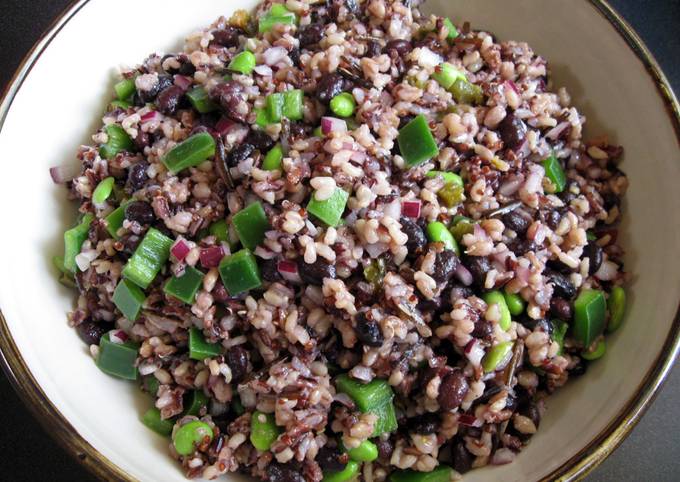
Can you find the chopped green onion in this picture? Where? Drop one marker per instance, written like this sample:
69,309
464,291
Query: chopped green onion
497,298
293,103
119,140
152,419
350,471
220,230
262,118
188,436
199,348
148,259
244,63
185,287
453,31
466,92
416,142
272,161
590,311
559,332
251,223
446,74
330,210
263,430
448,177
190,153
115,219
201,101
343,105
240,273
125,89
118,359
438,233
367,451
274,107
497,356
616,304
103,191
197,401
73,242
129,299
555,173
441,473
597,352
515,303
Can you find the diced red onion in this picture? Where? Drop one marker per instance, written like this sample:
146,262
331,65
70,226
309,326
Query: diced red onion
332,124
474,352
608,271
469,420
273,55
180,250
211,257
524,149
463,275
118,337
512,85
183,82
147,368
237,134
503,456
151,116
358,156
393,209
263,70
511,185
345,400
289,271
65,173
348,146
411,209
224,126
84,259
557,131
376,249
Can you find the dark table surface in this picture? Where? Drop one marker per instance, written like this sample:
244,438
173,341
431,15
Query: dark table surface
651,453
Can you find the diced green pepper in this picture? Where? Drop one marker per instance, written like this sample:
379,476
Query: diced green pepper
262,118
150,385
279,10
374,397
196,402
152,419
318,132
375,273
66,278
267,22
239,272
272,161
125,89
263,430
129,299
120,104
343,105
497,356
220,230
148,259
188,436
451,195
387,419
351,470
555,173
330,210
446,74
275,107
597,352
497,298
461,227
103,191
244,63
515,303
559,332
590,236
199,348
453,31
190,153
466,92
251,223
115,219
448,177
367,451
416,142
73,242
441,473
118,359
201,101
293,102
438,233
590,312
185,287
616,304
119,140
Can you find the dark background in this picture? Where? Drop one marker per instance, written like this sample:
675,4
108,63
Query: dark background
651,453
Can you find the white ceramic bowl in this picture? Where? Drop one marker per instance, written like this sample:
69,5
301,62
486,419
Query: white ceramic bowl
55,102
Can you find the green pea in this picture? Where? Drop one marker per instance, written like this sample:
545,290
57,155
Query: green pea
598,352
498,355
243,62
617,308
496,297
188,436
515,303
263,430
367,451
350,470
438,233
343,105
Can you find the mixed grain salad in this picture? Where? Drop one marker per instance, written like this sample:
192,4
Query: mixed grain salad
344,240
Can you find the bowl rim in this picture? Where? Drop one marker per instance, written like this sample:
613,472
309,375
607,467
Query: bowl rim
575,468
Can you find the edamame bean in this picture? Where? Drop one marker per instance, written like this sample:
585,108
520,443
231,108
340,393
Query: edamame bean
617,308
263,430
497,356
598,352
188,436
343,105
367,451
438,233
496,297
515,303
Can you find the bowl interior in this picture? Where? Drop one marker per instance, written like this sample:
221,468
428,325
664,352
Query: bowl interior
59,105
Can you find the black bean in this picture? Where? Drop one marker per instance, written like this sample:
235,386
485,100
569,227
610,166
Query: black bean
330,459
91,332
491,388
515,221
187,68
452,390
462,459
147,96
560,308
316,272
566,195
283,473
478,267
398,48
294,55
483,329
329,86
352,6
269,270
580,369
445,265
140,211
416,236
511,402
541,325
458,292
521,246
226,37
239,153
169,99
533,413
137,176
513,131
142,140
237,359
260,140
552,218
373,49
310,35
610,200
385,448
229,95
368,332
561,285
593,252
425,424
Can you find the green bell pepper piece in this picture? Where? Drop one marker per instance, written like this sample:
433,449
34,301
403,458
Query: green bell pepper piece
129,299
152,419
330,210
251,223
293,103
244,63
125,89
118,359
190,153
103,190
197,400
275,107
453,31
115,219
273,159
416,142
590,313
616,304
186,286
73,242
446,74
239,272
351,470
555,173
199,348
148,259
201,101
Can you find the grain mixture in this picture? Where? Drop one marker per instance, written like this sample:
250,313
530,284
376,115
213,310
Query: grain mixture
446,235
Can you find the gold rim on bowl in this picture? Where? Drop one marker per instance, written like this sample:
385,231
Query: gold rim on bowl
576,468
